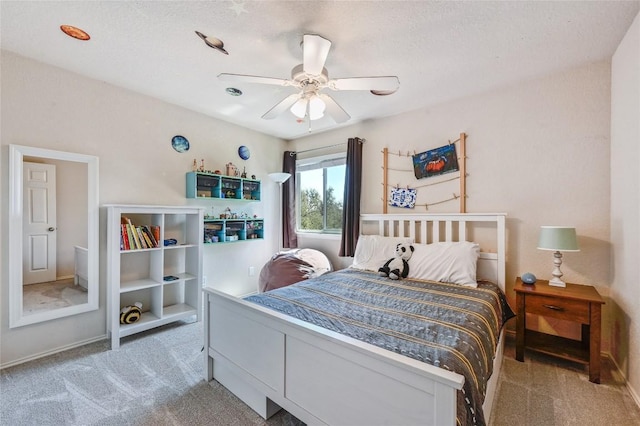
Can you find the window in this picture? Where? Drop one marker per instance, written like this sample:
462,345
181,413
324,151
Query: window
319,192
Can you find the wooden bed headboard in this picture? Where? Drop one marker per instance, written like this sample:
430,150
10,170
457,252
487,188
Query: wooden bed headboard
441,227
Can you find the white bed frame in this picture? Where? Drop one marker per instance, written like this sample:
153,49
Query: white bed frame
81,262
272,361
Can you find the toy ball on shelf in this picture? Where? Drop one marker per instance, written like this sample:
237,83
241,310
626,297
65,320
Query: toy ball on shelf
131,314
528,278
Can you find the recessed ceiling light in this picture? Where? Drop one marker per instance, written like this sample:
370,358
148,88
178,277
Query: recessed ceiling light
75,32
233,91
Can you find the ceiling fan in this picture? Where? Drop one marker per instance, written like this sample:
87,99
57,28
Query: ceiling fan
311,77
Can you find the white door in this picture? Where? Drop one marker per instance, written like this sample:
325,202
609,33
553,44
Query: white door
39,223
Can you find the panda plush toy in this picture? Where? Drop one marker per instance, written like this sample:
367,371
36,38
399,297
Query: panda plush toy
398,266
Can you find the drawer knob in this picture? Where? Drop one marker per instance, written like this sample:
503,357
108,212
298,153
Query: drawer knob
554,308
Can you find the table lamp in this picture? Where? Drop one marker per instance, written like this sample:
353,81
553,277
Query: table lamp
557,239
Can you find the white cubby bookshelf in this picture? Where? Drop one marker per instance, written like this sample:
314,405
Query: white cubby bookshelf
137,275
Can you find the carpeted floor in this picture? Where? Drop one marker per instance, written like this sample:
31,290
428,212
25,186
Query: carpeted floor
545,390
156,378
52,295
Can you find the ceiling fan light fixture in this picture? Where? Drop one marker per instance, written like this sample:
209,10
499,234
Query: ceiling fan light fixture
316,108
299,109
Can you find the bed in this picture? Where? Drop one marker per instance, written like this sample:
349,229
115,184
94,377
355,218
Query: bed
81,270
273,360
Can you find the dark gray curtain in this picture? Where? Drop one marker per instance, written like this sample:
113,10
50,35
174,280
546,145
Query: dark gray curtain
289,237
351,202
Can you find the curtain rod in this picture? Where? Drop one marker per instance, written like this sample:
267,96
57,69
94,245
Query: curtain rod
323,147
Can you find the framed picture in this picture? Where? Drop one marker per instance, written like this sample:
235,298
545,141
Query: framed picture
403,197
435,162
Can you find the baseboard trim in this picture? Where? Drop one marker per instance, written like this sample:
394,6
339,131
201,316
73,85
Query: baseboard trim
51,352
632,391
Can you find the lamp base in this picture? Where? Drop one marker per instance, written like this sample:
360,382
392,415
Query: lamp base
557,273
557,282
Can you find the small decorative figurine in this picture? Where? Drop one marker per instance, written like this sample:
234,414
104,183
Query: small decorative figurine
231,169
202,165
195,165
244,172
253,177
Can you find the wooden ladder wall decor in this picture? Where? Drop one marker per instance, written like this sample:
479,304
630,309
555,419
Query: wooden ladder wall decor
462,166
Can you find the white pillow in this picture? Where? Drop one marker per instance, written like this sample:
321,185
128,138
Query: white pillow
446,262
372,251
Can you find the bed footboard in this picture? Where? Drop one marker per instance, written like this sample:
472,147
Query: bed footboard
270,361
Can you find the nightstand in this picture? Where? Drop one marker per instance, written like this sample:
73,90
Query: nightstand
576,303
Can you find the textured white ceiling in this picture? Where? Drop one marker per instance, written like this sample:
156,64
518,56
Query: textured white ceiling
439,50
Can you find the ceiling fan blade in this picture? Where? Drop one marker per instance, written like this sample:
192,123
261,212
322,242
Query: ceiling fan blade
254,79
333,109
315,51
281,107
390,83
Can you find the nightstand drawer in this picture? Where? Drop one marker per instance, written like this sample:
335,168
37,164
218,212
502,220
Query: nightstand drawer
566,309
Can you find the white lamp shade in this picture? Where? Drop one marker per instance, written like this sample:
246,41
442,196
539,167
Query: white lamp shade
279,177
316,108
315,104
558,238
299,109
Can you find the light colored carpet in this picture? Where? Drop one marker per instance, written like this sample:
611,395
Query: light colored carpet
157,378
545,390
52,295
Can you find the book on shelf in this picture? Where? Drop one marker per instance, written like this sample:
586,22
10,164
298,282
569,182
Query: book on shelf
134,237
155,230
145,238
151,239
124,235
132,242
143,243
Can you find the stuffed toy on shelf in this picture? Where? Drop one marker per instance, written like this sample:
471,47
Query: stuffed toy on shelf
130,314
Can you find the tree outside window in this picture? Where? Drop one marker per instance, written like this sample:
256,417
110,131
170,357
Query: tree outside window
320,194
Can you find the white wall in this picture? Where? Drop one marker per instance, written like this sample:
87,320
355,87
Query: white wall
538,151
47,107
625,206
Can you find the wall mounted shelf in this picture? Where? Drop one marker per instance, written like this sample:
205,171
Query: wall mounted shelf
211,186
231,230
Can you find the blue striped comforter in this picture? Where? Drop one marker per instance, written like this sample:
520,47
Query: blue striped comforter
446,325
